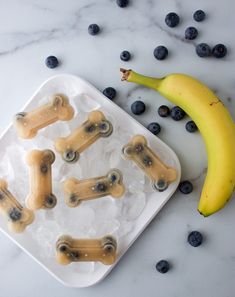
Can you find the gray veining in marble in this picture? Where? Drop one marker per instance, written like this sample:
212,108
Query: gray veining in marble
30,31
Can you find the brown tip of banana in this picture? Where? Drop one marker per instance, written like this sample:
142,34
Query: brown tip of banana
204,215
125,73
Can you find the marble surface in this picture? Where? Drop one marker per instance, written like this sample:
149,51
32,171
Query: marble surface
30,31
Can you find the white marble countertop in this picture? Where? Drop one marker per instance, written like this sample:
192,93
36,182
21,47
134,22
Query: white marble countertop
31,30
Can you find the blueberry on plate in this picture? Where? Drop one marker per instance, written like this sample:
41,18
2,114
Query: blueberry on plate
191,33
138,107
219,50
162,266
154,127
163,111
191,127
185,187
160,52
195,238
177,113
203,50
122,3
51,62
125,56
93,29
199,15
172,19
110,92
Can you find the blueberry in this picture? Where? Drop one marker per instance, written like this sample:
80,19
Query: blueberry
162,266
93,29
172,19
110,93
100,187
147,160
154,127
52,62
15,214
219,51
203,50
125,56
186,187
195,238
177,113
191,127
138,107
160,52
199,15
122,3
163,111
191,33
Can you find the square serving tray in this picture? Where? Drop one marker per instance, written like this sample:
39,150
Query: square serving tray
84,97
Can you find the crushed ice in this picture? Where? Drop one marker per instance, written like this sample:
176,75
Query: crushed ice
94,218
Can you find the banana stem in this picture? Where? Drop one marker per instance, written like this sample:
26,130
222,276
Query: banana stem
131,76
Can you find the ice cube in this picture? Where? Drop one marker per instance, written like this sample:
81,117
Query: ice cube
133,206
85,103
83,267
104,227
6,170
58,129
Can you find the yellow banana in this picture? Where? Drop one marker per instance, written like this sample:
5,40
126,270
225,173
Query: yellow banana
215,124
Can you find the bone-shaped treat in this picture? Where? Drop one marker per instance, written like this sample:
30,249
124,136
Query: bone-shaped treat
92,129
18,217
28,123
40,179
77,191
70,250
139,152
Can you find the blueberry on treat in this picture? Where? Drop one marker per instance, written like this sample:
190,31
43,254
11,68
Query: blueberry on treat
15,214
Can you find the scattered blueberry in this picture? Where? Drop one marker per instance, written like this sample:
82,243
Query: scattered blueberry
51,62
122,3
138,107
110,92
195,238
162,266
203,50
199,15
93,29
186,187
172,19
219,51
191,127
154,127
125,56
164,111
177,113
160,52
191,33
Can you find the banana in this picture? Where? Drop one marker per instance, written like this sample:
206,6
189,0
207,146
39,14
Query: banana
215,124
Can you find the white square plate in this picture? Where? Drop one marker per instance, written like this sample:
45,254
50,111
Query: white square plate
124,217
